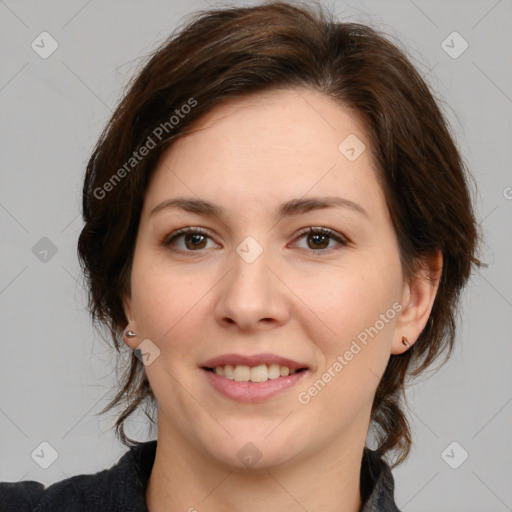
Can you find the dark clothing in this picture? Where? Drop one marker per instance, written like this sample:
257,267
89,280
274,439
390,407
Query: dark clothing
122,487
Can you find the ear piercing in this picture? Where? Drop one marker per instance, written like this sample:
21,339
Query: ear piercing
132,334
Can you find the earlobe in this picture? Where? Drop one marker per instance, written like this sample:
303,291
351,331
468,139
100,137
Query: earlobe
405,342
418,299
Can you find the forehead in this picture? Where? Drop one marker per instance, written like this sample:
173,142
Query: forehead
268,145
296,121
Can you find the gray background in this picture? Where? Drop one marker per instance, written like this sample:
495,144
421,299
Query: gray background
56,373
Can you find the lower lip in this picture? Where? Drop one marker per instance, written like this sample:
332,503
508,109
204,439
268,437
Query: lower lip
252,392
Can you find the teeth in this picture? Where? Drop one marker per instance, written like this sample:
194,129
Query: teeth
260,373
274,371
228,371
242,374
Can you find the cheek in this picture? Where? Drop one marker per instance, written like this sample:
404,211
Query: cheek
159,296
354,339
354,300
168,305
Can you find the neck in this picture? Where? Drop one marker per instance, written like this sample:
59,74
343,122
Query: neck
183,479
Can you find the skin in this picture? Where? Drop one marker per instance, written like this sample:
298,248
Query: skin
306,298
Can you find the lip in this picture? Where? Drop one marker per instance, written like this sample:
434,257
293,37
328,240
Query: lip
253,360
252,392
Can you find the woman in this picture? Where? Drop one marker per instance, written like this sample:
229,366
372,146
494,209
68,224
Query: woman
278,224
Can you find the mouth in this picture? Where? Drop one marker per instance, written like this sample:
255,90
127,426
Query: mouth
255,374
253,379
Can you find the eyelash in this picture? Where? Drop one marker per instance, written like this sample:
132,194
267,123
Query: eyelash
168,239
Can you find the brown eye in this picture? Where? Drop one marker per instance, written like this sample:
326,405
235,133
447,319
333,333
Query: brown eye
320,239
187,240
195,241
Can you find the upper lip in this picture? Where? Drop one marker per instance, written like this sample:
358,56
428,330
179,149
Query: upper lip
253,360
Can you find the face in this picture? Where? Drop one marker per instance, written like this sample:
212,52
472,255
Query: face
290,259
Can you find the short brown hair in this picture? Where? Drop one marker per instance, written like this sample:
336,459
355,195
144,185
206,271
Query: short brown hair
229,53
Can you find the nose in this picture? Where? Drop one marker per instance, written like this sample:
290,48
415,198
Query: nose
253,295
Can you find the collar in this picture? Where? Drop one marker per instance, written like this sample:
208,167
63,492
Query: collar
376,484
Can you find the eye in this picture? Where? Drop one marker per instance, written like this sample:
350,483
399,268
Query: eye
192,239
320,238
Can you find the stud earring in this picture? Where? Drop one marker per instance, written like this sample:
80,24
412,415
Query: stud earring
405,341
130,334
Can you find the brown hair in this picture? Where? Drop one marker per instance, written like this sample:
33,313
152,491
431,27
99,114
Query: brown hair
229,53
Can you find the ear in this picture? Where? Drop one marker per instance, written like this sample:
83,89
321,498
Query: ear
417,300
127,306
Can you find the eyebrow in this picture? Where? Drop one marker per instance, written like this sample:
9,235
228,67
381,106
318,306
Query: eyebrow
287,209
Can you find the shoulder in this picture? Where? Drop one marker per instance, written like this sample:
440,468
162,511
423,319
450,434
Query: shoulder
120,488
76,494
20,496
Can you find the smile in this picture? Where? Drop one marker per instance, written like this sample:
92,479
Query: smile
237,382
260,373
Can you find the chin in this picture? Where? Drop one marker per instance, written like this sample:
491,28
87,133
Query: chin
244,453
